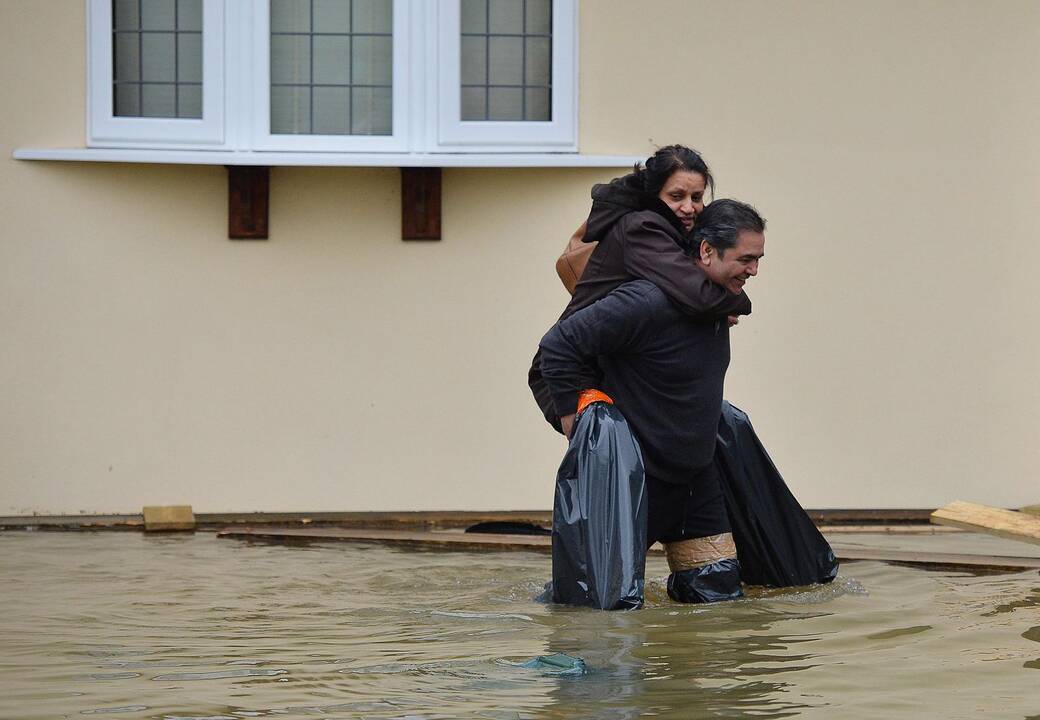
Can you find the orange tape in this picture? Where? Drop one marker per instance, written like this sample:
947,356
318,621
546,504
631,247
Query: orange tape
587,397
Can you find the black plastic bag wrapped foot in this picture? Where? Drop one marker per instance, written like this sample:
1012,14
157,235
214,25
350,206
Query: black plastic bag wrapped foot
777,542
709,583
599,514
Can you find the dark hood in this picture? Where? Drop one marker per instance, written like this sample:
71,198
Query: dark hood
611,201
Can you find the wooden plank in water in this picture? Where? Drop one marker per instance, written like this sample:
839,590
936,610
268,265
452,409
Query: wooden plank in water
543,543
453,540
952,561
168,517
995,521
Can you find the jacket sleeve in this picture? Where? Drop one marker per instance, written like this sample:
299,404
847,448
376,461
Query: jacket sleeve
652,254
615,323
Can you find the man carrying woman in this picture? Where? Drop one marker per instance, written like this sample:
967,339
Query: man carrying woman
657,342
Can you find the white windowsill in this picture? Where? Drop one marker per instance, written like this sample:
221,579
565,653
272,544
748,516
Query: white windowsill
318,159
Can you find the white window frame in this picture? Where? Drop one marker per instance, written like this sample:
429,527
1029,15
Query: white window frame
557,135
106,129
426,89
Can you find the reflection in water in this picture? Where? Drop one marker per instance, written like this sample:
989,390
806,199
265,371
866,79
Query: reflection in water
194,627
667,659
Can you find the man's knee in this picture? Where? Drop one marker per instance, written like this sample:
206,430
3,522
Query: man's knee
703,569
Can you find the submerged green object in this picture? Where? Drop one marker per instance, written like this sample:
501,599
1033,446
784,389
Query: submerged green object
557,664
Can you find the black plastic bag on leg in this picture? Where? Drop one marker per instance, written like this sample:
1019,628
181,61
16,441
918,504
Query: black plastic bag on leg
599,515
778,544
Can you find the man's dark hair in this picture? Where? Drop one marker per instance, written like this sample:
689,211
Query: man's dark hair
723,220
662,164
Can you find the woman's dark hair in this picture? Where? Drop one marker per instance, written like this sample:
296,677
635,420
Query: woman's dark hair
660,166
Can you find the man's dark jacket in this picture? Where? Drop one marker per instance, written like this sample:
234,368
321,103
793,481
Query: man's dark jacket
639,237
663,369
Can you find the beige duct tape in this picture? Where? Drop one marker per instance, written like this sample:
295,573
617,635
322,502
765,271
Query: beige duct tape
697,552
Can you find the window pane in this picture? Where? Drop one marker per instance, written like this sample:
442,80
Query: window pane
159,100
505,103
373,111
511,57
344,64
291,59
474,60
128,100
158,14
189,101
373,60
157,57
332,110
474,16
536,104
539,17
332,16
537,61
373,16
474,105
125,15
290,16
189,57
189,15
506,61
158,44
506,16
127,57
332,59
290,110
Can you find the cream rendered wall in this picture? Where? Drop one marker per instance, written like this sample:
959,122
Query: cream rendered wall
894,148
889,362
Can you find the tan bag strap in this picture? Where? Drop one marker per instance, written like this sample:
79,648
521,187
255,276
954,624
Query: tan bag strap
571,264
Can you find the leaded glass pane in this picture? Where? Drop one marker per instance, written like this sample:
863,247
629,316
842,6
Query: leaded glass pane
126,15
127,57
536,103
505,103
372,110
291,59
373,60
474,16
538,17
537,61
332,76
332,110
474,60
127,100
332,60
506,60
373,16
159,100
159,15
189,58
290,109
189,101
331,16
189,15
506,17
293,16
157,58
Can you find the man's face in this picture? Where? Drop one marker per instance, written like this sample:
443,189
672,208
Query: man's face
740,262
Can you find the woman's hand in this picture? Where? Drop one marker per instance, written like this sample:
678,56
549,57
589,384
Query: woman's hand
732,320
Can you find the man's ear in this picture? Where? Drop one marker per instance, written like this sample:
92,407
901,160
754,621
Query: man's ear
706,251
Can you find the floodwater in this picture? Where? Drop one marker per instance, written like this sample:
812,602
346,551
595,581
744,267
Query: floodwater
124,625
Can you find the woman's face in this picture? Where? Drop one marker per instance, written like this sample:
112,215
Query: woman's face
683,192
